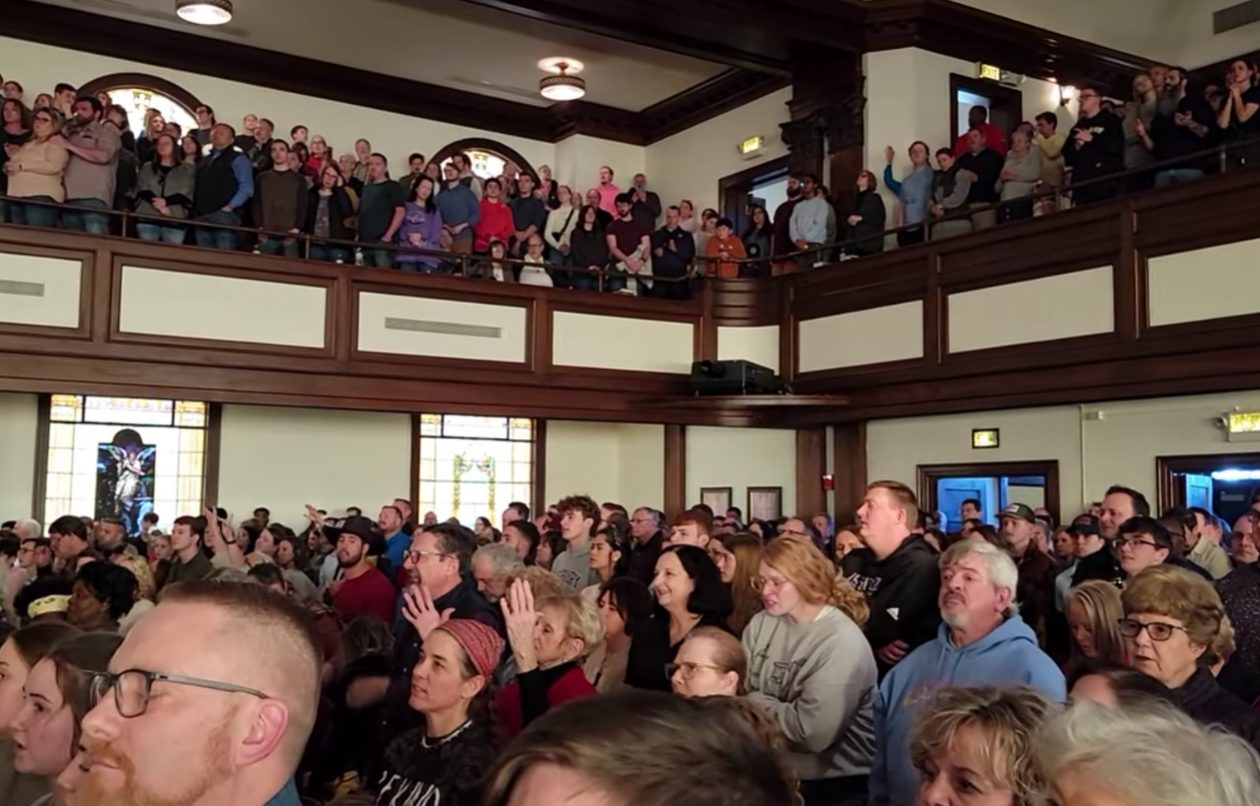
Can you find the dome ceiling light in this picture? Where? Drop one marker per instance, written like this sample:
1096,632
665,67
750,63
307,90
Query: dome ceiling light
204,12
563,83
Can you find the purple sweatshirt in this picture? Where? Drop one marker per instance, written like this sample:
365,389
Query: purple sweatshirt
428,226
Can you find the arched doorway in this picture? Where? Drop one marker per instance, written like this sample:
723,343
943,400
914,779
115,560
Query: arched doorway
489,157
140,92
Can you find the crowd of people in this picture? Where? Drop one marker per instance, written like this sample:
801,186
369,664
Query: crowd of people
595,654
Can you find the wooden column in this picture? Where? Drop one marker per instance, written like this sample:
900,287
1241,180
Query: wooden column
675,470
850,470
811,464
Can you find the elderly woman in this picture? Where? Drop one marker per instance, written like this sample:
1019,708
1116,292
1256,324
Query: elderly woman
710,663
974,745
1150,755
1019,177
1171,619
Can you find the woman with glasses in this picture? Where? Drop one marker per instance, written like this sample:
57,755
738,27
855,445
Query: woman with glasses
811,669
737,557
1171,618
610,557
689,594
1093,616
58,693
710,663
534,269
165,193
22,651
624,606
36,172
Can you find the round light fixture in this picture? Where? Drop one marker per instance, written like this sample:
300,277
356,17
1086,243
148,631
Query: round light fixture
204,12
563,84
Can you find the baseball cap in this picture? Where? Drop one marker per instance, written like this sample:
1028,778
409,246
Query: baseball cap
1084,525
1020,511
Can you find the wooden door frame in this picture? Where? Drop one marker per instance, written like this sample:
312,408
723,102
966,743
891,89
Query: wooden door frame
977,86
1167,468
733,187
929,474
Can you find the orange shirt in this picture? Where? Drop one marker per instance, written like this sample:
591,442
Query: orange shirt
725,250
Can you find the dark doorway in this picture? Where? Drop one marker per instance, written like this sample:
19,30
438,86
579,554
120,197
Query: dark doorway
764,184
1222,483
943,488
1005,105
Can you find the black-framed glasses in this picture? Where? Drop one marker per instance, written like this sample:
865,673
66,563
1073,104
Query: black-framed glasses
1134,542
132,687
1157,630
416,555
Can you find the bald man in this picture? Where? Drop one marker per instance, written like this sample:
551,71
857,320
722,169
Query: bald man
209,701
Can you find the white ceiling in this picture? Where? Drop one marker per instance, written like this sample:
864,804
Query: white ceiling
451,43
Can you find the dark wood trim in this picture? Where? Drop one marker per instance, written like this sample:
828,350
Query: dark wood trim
538,468
160,85
484,144
213,454
39,489
928,475
811,466
849,473
750,491
733,185
976,86
1169,493
675,492
413,465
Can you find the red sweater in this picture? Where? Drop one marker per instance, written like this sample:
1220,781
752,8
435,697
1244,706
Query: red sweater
534,693
495,223
368,595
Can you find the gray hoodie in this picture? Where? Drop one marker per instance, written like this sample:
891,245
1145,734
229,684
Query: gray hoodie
573,567
818,682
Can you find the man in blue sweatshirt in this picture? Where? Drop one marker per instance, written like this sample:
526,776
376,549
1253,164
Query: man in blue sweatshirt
982,642
460,210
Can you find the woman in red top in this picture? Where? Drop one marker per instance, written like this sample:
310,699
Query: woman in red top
320,155
548,643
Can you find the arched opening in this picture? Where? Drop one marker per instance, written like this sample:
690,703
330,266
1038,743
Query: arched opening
489,157
140,92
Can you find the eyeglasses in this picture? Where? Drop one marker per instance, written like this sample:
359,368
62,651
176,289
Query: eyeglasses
131,688
415,555
1157,630
689,669
761,583
1134,542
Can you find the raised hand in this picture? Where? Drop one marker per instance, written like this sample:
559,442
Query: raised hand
421,613
520,617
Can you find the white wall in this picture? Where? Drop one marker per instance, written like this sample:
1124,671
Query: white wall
622,462
1142,27
1096,445
19,420
285,458
1198,46
689,164
578,160
740,458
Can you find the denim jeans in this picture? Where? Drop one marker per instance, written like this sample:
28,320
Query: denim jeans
378,258
614,281
279,246
333,254
93,223
149,231
1173,176
36,215
215,238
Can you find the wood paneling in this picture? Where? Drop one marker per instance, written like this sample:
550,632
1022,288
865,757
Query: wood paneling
811,465
849,448
675,470
929,474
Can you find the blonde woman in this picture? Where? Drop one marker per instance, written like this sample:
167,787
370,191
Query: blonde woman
37,171
811,669
1093,616
975,745
737,558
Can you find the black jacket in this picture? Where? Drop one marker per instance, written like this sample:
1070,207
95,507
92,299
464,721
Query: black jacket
588,249
1100,156
340,211
1102,564
987,166
643,557
675,262
650,650
870,206
902,590
1172,141
1206,702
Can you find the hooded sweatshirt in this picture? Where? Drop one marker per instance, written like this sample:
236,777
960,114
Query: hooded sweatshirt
817,682
901,589
1007,656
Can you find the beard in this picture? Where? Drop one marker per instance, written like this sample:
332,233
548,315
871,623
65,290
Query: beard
957,619
349,561
218,769
792,193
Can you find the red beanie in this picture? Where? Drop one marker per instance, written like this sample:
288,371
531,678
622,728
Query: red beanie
480,643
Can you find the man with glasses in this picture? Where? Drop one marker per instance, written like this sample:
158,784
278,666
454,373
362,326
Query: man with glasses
647,529
219,714
359,589
1142,543
1095,148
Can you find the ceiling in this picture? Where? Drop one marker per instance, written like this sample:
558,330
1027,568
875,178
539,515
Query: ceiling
448,42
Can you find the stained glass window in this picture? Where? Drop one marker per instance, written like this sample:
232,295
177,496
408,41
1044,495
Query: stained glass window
485,164
137,101
472,466
122,457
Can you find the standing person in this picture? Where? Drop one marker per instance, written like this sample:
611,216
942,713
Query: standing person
15,130
224,185
1019,177
812,671
610,556
446,760
607,191
495,220
646,205
421,229
165,191
579,516
381,212
329,214
807,228
1095,149
1139,113
588,250
205,125
280,204
1050,142
723,249
1036,568
360,589
673,250
1093,616
35,170
897,570
534,265
866,222
1239,116
782,242
983,166
1240,596
982,642
529,214
1184,129
629,247
560,223
758,242
460,211
992,137
914,192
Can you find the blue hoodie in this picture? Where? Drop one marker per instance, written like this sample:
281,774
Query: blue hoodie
1008,656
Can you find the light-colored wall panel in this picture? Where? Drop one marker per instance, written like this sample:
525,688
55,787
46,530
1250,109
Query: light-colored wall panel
37,290
757,344
1079,303
1204,284
887,333
284,458
436,327
740,458
619,342
19,421
622,462
203,306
